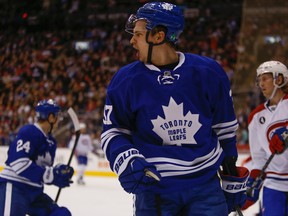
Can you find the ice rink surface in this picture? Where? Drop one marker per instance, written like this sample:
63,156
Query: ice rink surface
102,196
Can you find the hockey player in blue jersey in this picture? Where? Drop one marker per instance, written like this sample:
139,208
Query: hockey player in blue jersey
169,124
30,165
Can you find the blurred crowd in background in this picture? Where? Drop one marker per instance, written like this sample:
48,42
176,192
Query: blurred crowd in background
69,50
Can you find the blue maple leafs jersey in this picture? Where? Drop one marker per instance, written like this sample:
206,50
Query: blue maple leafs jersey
181,120
28,155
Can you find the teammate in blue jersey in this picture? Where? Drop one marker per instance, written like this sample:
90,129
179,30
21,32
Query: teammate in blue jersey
169,124
30,165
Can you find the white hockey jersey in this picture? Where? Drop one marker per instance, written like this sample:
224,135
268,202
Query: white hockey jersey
263,122
84,145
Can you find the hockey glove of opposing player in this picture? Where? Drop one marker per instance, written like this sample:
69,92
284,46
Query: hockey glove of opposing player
277,144
254,185
134,172
234,188
60,175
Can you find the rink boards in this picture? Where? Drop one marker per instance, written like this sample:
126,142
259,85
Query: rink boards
97,166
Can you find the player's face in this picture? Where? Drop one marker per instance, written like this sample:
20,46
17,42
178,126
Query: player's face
265,82
138,40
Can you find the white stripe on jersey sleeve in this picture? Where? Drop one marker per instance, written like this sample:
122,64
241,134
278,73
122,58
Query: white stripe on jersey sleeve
20,165
226,130
110,134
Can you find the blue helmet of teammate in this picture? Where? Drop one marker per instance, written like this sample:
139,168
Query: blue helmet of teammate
159,13
46,107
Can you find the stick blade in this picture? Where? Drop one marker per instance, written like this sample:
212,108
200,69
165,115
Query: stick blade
74,118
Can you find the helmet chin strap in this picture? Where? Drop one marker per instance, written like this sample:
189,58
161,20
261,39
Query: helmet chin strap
150,47
276,86
51,126
149,56
273,93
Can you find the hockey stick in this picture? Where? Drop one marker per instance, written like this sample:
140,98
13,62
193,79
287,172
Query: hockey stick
262,171
75,121
238,210
151,174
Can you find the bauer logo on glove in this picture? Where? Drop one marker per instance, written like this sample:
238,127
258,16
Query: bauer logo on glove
123,159
233,187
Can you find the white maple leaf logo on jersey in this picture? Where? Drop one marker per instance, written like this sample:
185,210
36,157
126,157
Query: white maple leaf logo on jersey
44,160
176,128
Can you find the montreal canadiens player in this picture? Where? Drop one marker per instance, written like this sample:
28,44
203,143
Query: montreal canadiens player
30,165
169,124
83,148
267,133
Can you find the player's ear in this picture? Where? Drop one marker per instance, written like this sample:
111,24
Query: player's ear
159,36
52,118
280,80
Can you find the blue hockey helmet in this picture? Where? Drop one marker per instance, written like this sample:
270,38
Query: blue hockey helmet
159,13
46,107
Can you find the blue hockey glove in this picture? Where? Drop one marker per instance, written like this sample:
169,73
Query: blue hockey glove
254,185
60,175
277,144
133,171
138,175
234,188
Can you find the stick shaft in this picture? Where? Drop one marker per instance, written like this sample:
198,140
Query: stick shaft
76,124
285,137
249,191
